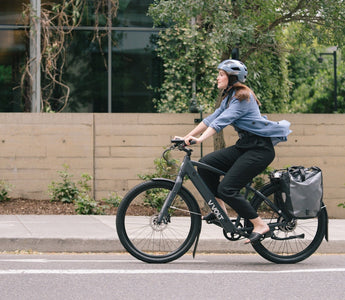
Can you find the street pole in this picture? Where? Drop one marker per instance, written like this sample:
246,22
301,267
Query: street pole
335,80
35,56
109,59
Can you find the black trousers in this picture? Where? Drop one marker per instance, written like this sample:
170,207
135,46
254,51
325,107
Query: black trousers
242,162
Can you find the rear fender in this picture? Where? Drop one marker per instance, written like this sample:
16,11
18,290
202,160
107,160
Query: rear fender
324,211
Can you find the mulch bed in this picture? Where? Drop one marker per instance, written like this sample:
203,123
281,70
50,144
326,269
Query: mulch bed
41,207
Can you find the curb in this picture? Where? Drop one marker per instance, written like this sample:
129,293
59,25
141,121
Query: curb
81,245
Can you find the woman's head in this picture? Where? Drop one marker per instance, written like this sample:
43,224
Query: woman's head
232,74
233,68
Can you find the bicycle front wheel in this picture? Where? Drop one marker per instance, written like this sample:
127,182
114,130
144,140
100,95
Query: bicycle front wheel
141,234
294,240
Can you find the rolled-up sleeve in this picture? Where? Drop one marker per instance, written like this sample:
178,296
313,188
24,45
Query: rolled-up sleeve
225,116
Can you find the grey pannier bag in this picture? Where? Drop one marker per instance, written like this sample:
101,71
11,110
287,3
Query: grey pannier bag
302,191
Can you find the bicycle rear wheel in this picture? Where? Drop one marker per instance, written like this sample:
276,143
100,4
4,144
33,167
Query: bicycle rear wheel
294,240
143,237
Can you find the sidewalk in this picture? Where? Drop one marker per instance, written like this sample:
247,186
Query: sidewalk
66,233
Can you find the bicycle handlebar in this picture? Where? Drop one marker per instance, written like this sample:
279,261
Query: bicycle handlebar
180,145
179,142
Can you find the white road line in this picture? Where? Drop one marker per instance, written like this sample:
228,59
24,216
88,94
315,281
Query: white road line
24,260
158,271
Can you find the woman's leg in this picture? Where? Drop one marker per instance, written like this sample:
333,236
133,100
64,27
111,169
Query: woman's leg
222,159
246,167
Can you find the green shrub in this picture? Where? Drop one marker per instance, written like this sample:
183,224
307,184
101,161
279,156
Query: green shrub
68,191
5,188
113,199
86,205
163,169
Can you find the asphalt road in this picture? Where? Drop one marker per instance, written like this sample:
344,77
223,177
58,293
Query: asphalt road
119,276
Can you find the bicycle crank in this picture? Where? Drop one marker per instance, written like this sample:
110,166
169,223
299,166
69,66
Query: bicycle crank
233,236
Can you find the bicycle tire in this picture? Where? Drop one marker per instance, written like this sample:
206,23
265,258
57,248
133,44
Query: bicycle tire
289,251
151,242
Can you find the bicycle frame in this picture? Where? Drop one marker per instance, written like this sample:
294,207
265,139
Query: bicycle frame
188,168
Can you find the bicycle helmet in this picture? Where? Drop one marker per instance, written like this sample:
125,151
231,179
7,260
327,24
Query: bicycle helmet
234,67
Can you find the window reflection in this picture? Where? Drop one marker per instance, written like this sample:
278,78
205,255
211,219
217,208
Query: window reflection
12,52
132,13
11,11
135,67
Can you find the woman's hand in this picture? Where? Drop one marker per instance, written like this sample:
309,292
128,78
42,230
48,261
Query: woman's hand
188,139
178,138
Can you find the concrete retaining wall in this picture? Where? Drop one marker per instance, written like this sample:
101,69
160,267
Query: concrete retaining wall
115,148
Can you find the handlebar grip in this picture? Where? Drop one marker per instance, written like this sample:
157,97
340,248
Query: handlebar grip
178,141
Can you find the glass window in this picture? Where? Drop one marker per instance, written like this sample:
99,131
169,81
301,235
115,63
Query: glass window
89,18
12,52
136,70
130,13
85,73
133,13
11,11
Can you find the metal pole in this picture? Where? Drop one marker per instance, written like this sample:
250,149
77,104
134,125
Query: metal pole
335,80
109,58
35,56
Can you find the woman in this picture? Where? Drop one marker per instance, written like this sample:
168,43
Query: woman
251,154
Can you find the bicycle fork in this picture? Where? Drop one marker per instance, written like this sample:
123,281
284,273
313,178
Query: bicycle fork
171,196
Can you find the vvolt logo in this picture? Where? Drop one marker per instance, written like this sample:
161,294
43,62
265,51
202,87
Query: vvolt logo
215,210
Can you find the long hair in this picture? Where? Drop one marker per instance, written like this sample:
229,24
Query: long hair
242,92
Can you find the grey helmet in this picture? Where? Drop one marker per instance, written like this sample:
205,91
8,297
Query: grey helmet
234,67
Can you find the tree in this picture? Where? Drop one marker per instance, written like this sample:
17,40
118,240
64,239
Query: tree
312,81
201,33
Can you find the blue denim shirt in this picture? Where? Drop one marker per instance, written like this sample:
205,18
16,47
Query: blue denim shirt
245,115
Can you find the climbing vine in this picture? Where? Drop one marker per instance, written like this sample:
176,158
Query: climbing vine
57,22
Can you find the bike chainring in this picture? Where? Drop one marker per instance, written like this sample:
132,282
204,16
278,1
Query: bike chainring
232,236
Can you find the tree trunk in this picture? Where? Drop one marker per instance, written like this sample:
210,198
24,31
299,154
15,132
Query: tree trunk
218,138
218,141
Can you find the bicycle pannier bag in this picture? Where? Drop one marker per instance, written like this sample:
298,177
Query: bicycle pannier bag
302,191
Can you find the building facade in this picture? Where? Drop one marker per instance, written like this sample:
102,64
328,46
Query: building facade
120,80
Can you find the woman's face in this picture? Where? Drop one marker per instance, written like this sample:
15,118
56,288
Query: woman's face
222,80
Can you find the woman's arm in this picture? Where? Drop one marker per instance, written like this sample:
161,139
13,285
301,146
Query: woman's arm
197,130
207,133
